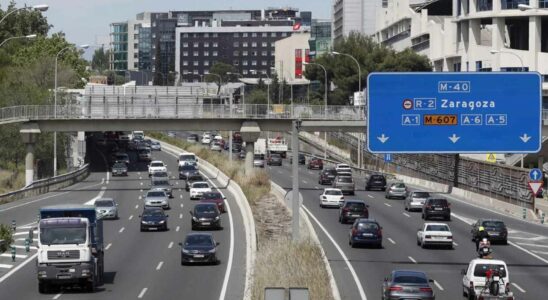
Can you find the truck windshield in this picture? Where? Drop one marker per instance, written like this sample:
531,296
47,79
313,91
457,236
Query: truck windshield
62,235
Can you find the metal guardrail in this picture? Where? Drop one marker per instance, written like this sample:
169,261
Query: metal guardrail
46,185
179,111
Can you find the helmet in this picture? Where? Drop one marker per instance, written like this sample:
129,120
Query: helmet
481,228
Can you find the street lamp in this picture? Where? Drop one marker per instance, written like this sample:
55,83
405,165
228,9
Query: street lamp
85,46
494,51
39,7
30,36
220,80
325,102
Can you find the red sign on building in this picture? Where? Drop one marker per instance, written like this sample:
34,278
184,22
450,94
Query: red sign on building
298,63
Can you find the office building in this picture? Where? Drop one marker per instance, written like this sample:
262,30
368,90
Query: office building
290,54
119,46
320,38
354,16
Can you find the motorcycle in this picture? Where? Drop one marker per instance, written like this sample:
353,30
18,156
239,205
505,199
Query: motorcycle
484,249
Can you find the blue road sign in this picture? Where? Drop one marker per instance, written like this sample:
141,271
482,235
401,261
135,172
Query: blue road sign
454,112
535,175
387,157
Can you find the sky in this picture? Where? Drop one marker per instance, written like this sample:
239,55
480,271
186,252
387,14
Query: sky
86,21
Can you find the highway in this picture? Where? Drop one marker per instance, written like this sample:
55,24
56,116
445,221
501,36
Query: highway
138,265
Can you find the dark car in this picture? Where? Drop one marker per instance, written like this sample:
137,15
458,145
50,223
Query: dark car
199,248
315,163
365,232
191,179
274,159
187,170
375,181
123,157
407,284
436,208
119,169
206,215
214,197
193,138
236,147
353,209
495,228
327,176
345,184
153,218
301,158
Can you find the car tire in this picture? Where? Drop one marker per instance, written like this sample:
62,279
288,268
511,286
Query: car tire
42,287
422,216
383,189
367,188
142,229
386,197
352,245
423,245
448,219
505,242
464,294
405,208
340,220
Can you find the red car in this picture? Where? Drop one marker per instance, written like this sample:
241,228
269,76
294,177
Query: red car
214,197
315,163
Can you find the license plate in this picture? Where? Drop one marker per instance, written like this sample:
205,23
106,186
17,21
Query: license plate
64,276
206,223
367,234
438,208
198,256
152,228
355,215
493,233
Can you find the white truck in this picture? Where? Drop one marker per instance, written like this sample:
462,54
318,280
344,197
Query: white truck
476,284
278,145
260,147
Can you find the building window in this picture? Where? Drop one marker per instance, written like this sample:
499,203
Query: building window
284,34
206,45
215,45
543,3
185,62
254,53
195,44
215,35
264,63
244,53
457,67
185,45
236,34
244,34
245,44
185,71
512,4
254,34
215,53
185,35
206,35
206,72
484,5
273,53
244,72
272,63
264,53
273,34
196,72
195,53
264,44
236,53
272,44
263,72
185,53
253,62
264,34
195,63
384,3
236,62
244,62
135,36
206,53
254,44
206,63
478,65
236,44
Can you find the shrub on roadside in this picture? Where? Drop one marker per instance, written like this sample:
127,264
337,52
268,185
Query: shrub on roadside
6,234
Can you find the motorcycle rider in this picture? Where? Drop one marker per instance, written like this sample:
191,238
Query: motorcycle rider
482,233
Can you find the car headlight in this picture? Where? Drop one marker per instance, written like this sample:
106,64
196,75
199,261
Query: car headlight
162,222
194,219
186,251
217,218
212,250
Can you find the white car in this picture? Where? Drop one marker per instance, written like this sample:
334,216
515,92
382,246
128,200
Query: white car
331,197
343,168
474,278
156,166
206,139
198,188
438,234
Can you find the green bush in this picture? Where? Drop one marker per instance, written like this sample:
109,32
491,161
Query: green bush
6,234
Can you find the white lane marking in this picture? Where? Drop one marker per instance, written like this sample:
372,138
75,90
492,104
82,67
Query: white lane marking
536,238
305,182
130,217
455,244
108,177
159,266
57,296
108,246
16,255
438,285
102,180
177,229
316,187
391,241
140,178
388,205
138,173
533,245
26,226
181,196
407,215
4,266
370,196
100,195
180,216
23,247
464,219
24,233
182,205
121,229
176,182
142,293
412,259
518,287
136,206
140,183
7,275
140,198
344,257
539,252
170,245
141,190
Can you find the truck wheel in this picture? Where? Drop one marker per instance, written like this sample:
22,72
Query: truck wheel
42,287
89,286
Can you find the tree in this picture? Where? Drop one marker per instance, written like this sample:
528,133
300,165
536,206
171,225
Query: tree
100,60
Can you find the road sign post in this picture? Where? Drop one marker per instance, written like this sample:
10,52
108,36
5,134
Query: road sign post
387,157
454,112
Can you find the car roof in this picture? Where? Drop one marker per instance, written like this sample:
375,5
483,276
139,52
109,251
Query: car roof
408,272
156,161
435,223
199,233
156,190
354,201
331,189
487,261
205,204
490,220
366,220
105,198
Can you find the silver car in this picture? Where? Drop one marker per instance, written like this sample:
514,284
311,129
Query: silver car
407,284
258,160
162,184
216,147
345,184
106,208
154,145
415,200
396,190
157,198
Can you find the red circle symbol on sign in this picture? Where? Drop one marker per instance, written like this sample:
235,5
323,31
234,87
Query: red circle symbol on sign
407,104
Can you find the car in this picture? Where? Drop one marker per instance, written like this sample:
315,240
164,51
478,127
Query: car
191,179
106,208
495,228
345,183
214,197
187,159
396,190
154,145
206,139
241,155
187,170
123,157
156,166
331,197
198,188
119,169
343,168
236,147
474,278
216,146
171,134
436,208
415,200
206,215
199,248
153,219
435,234
258,160
160,175
144,154
162,184
301,158
274,159
407,284
315,163
327,176
365,232
147,142
192,138
375,181
350,210
156,198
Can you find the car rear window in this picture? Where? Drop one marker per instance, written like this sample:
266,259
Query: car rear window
200,185
368,226
410,279
333,193
330,172
205,208
119,165
480,269
211,196
156,194
158,164
345,179
104,203
377,177
399,185
355,206
437,228
496,224
187,168
195,178
421,194
440,202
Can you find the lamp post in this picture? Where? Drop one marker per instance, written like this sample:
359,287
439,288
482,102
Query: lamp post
524,7
55,105
30,36
39,7
325,104
360,91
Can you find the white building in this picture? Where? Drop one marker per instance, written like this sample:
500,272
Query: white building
133,28
469,35
290,54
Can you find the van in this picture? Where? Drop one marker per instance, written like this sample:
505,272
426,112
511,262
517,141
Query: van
474,277
187,158
138,135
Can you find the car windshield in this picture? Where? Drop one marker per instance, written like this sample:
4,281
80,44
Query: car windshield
437,228
355,206
421,194
481,269
333,193
104,203
410,279
258,156
368,226
62,235
398,185
200,185
187,157
153,213
496,224
207,196
345,179
160,182
195,178
275,156
119,165
155,143
156,194
160,174
377,177
187,168
206,209
343,167
121,157
198,240
157,164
